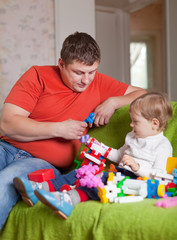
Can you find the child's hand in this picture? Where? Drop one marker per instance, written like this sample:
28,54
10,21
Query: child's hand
129,161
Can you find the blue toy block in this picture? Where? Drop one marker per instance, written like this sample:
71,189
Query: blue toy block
174,173
90,118
152,186
175,180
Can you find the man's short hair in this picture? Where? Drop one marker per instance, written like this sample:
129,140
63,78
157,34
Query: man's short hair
80,47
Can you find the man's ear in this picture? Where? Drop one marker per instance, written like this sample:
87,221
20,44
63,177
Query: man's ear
60,63
155,124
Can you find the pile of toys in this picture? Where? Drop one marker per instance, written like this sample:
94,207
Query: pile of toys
119,188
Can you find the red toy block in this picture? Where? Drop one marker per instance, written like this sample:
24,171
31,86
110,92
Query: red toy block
41,175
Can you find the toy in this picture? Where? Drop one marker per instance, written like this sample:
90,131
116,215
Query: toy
98,147
171,164
87,177
136,187
166,203
112,168
90,118
102,194
84,138
174,173
41,175
162,176
92,156
154,189
112,191
128,199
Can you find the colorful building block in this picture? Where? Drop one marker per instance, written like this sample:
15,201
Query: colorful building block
41,175
166,203
90,118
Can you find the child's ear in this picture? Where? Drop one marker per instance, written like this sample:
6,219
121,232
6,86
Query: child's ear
155,124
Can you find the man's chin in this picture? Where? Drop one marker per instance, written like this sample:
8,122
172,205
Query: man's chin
81,89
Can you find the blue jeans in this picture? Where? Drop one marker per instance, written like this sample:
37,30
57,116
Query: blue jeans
15,162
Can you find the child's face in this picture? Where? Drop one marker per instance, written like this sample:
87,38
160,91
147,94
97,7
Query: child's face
142,127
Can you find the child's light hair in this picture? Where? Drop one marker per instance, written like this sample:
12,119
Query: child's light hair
153,105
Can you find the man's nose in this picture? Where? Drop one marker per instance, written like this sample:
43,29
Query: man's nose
85,78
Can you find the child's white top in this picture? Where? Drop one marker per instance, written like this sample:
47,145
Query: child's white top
150,152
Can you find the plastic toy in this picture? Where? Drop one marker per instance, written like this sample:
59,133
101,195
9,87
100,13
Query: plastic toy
113,188
112,168
41,175
87,177
174,173
102,194
90,118
99,148
84,138
128,199
120,185
166,203
92,156
111,191
154,189
135,187
171,164
163,177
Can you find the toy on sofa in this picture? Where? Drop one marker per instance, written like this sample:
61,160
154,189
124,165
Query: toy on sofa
94,154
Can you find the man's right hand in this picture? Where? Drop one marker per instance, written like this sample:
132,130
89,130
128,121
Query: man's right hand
71,129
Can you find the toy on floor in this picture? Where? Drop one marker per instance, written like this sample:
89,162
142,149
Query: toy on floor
96,153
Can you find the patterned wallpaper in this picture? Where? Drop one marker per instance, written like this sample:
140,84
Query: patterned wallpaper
27,38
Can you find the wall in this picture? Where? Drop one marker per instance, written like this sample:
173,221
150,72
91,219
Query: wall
80,17
27,38
171,33
147,24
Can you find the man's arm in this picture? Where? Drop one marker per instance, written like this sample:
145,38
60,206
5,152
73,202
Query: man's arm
16,124
105,110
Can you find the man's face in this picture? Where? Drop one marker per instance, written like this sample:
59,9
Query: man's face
77,76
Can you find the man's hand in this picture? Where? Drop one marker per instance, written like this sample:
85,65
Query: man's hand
129,161
104,112
71,129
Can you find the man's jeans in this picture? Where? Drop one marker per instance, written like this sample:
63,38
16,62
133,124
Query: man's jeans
15,162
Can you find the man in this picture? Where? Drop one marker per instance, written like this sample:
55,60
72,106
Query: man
43,115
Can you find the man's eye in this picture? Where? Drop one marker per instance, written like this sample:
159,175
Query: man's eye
78,73
90,73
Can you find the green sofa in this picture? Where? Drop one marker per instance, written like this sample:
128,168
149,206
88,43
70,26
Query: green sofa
95,220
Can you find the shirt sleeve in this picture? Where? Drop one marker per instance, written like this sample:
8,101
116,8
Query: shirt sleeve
115,155
110,87
26,92
162,155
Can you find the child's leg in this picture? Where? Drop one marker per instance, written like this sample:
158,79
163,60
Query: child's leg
26,188
62,203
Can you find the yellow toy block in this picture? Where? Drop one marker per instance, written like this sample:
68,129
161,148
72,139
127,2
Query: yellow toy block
171,164
110,176
102,195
